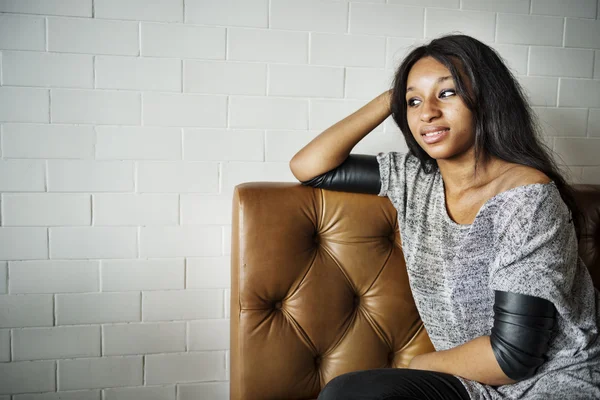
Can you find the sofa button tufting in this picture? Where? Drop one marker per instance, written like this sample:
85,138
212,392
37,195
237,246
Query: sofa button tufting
316,239
278,305
392,237
317,360
391,356
356,300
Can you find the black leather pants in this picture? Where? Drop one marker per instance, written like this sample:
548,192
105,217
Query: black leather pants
394,384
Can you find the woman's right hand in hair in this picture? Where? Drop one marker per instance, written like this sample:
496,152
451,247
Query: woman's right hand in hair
332,147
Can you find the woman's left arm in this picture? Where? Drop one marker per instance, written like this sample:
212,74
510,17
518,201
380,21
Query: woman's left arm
473,360
515,349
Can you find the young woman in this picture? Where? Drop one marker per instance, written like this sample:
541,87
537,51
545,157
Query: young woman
489,232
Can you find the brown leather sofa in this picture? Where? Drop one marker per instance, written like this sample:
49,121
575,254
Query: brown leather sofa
319,287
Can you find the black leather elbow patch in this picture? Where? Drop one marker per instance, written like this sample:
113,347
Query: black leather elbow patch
521,333
359,173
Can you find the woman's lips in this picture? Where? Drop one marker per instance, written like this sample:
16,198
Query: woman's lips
434,137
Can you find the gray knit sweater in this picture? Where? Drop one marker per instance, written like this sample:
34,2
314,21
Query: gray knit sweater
522,241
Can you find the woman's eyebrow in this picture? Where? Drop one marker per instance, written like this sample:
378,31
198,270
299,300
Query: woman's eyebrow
440,80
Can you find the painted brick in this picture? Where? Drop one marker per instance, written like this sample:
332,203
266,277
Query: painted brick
386,20
173,305
582,33
262,112
504,6
137,275
244,44
347,50
208,390
138,143
306,81
594,123
206,209
181,41
554,61
579,93
575,151
179,177
24,104
21,243
29,376
3,277
425,3
22,176
97,308
514,56
26,68
591,175
215,145
140,10
93,242
315,16
185,241
226,240
144,338
529,29
208,273
540,91
563,121
209,335
45,209
185,367
4,345
573,8
398,49
95,107
19,32
224,77
135,209
235,173
190,110
53,277
48,141
25,310
90,176
62,395
367,83
56,342
325,113
138,73
478,24
100,372
74,8
92,36
141,393
250,13
281,146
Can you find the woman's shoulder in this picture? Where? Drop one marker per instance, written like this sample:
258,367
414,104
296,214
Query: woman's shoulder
517,175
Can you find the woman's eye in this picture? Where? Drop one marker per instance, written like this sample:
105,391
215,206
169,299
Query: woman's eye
443,92
412,102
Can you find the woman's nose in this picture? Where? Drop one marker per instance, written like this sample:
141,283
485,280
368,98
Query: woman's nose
429,111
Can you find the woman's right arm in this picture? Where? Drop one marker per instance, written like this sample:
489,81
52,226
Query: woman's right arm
332,147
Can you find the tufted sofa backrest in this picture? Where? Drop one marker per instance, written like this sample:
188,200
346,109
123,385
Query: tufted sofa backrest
319,287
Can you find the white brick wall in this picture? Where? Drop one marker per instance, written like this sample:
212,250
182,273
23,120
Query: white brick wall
125,126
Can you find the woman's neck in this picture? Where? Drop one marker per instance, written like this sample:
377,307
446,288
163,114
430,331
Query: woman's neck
459,173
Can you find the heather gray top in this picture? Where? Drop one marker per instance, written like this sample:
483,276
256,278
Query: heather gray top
522,241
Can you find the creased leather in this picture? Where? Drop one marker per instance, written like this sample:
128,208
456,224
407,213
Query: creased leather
521,333
359,173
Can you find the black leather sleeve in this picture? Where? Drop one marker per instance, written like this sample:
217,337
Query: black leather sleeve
521,333
358,173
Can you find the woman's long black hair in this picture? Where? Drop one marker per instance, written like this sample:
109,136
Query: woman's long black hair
504,123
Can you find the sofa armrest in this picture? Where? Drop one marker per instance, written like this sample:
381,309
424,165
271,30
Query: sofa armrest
318,288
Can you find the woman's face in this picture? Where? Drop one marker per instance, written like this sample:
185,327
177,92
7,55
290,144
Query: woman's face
438,118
